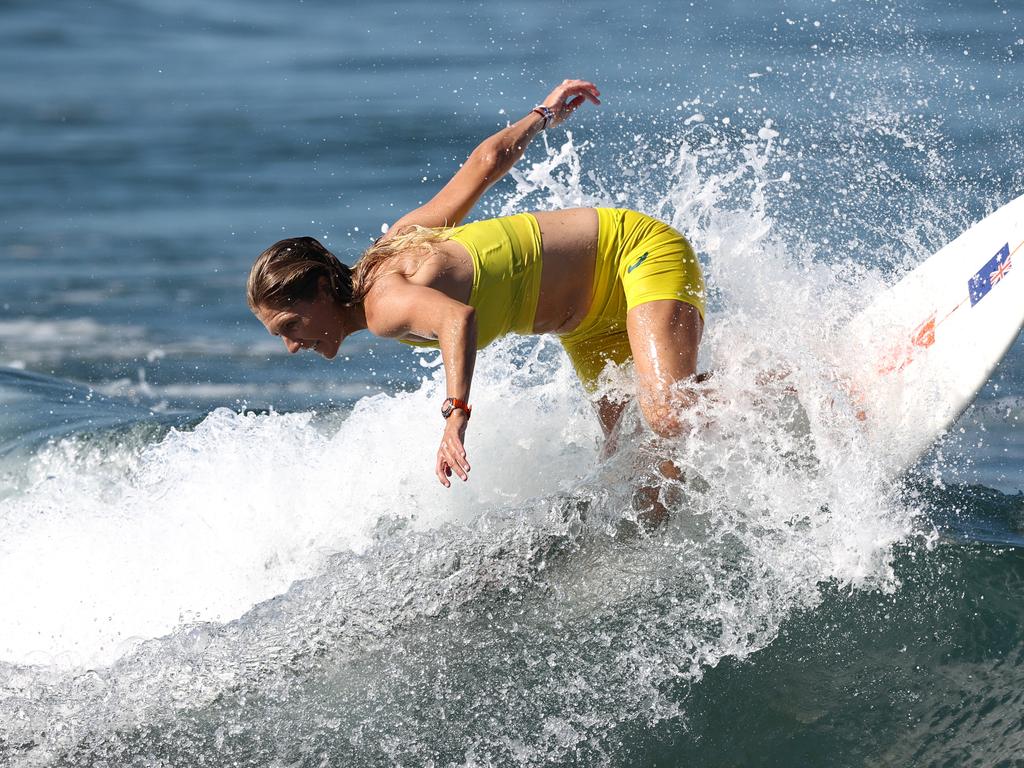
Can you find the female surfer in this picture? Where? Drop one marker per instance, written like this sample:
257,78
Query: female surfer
612,284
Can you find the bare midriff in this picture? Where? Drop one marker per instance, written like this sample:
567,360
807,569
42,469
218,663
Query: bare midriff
569,241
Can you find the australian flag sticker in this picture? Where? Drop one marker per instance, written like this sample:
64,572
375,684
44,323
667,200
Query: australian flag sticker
994,271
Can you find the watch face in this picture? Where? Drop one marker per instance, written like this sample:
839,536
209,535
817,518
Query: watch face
447,408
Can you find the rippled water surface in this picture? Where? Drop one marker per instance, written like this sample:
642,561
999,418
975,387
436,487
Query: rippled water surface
212,552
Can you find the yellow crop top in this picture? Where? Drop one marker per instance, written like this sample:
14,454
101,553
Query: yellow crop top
507,257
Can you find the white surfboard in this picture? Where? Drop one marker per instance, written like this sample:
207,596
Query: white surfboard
917,356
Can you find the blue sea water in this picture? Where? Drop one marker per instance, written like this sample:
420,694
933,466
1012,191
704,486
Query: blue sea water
215,553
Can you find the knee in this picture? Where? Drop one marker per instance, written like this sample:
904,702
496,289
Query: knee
667,413
663,419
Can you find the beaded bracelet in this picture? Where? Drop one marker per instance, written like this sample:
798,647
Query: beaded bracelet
546,112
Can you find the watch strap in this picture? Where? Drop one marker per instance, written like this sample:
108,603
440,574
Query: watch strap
452,403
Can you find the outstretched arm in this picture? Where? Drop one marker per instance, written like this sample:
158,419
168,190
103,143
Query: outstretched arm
494,158
395,308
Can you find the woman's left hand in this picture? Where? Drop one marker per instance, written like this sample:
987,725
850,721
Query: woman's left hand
568,97
451,456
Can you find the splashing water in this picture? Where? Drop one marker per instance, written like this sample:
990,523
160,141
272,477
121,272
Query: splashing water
287,586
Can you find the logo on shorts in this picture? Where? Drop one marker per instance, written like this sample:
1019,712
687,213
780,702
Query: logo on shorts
636,263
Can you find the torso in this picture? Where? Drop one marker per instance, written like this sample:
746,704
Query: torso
569,242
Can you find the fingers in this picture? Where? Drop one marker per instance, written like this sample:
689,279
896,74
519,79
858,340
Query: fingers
455,457
573,104
570,96
581,89
443,471
451,457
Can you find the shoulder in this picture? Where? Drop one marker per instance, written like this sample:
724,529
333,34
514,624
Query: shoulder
385,304
394,301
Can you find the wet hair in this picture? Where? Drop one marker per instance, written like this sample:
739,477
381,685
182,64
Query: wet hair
291,270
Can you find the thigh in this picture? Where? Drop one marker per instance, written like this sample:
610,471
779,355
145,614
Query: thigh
664,336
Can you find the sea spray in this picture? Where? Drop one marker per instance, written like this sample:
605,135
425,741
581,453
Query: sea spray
275,587
426,616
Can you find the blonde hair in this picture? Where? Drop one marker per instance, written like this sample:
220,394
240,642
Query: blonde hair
291,270
412,240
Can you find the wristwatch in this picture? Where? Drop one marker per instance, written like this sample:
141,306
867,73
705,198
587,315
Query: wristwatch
452,403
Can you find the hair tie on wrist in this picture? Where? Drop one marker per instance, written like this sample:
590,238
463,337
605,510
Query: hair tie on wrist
546,112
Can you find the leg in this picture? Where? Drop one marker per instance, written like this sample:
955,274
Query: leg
590,351
664,336
609,412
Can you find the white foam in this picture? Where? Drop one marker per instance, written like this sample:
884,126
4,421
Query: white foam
135,541
132,542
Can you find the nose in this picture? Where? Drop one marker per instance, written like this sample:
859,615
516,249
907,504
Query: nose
291,345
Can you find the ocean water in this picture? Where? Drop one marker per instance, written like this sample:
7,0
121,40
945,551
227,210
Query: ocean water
214,553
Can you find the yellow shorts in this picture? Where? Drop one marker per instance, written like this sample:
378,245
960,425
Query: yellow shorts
639,259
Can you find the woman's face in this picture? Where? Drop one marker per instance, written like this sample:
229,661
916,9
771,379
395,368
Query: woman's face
316,325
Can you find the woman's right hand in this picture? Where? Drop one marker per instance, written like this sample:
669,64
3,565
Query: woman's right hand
451,456
568,97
